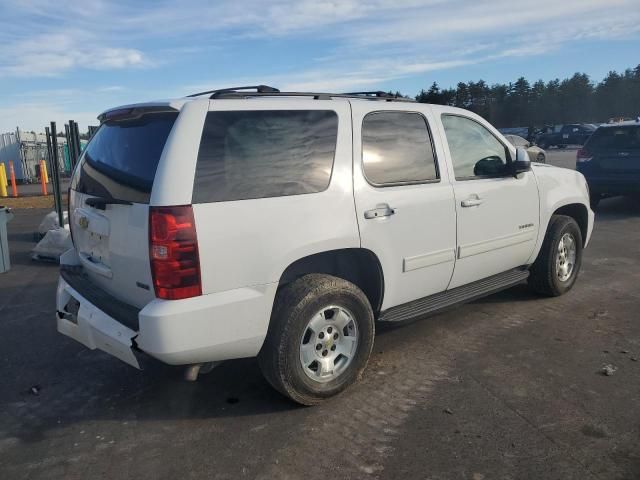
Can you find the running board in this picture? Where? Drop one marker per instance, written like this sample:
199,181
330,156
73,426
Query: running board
455,296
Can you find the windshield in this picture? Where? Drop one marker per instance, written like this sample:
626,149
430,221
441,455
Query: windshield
121,159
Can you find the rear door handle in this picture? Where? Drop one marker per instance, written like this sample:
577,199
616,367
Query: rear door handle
382,210
472,201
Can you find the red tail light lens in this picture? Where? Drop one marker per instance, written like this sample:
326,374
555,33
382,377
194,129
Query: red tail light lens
173,250
583,155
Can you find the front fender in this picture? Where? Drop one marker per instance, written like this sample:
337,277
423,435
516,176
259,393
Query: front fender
559,187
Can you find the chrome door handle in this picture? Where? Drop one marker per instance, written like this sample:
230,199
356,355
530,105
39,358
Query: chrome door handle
382,210
472,201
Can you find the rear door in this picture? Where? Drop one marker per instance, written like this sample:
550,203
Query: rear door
404,200
109,202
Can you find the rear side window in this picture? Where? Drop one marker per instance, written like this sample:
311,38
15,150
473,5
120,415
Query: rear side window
265,153
397,148
615,138
121,159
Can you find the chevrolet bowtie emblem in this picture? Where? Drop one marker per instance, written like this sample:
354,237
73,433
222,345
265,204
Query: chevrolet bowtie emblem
83,222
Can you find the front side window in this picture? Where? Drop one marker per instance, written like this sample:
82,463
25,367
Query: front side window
475,152
265,153
397,148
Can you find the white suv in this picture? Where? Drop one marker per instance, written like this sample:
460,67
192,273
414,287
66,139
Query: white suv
251,222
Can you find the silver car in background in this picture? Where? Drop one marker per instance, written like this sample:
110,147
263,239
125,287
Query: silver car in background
536,154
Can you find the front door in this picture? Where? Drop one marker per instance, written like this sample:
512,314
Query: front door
404,200
498,214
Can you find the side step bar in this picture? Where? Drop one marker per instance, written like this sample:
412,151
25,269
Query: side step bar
455,296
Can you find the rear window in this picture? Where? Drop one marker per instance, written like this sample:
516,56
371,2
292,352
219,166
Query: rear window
615,138
121,159
265,153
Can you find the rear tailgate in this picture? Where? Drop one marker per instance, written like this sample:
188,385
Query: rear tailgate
109,202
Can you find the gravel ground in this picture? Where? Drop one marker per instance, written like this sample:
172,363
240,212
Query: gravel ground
507,387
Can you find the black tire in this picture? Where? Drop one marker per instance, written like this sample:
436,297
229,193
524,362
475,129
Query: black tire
544,276
295,305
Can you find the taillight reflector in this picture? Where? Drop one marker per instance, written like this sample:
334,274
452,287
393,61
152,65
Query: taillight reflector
173,252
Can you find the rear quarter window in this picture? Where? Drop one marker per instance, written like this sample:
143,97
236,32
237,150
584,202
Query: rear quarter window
265,153
121,160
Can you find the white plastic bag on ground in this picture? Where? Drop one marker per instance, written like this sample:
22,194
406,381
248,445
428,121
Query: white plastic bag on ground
50,222
53,244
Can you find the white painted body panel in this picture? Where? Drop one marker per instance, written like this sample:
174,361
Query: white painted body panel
559,187
114,247
415,245
252,242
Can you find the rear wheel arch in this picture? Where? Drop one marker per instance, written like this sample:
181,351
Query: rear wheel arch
359,266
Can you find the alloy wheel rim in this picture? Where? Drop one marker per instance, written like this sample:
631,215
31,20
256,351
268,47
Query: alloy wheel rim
328,344
566,257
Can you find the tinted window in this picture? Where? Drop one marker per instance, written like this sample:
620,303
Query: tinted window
475,152
121,159
396,148
257,154
615,138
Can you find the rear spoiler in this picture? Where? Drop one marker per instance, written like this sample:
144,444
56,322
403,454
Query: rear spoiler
132,113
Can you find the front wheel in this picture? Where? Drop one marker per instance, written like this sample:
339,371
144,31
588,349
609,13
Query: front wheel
555,270
319,340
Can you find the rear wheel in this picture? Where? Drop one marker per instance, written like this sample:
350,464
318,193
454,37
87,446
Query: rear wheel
319,340
556,268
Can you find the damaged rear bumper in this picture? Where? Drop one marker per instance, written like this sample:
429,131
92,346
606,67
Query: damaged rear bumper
78,318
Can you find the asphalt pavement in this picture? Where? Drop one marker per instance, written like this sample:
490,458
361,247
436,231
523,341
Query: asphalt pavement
508,387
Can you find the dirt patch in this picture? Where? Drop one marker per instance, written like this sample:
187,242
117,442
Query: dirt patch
31,202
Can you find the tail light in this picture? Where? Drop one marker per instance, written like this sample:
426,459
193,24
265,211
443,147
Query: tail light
173,251
583,155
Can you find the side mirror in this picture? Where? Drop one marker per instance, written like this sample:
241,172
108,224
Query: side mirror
522,163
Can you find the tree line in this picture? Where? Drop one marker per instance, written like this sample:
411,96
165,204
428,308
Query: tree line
522,104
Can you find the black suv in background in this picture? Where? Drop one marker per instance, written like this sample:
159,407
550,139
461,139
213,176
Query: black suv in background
572,134
610,161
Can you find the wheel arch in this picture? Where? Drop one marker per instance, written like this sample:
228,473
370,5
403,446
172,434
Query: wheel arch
579,213
359,266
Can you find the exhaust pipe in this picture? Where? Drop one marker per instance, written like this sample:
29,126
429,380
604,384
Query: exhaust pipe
192,371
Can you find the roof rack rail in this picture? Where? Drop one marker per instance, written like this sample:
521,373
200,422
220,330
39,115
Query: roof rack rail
267,91
257,88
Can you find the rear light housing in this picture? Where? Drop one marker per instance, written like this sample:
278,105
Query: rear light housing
583,155
173,252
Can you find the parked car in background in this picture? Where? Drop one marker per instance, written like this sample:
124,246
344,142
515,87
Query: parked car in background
536,154
610,161
571,134
240,223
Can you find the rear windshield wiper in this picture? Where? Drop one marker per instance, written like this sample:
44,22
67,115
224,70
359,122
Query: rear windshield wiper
101,203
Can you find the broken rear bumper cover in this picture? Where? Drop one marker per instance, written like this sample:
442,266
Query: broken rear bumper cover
212,327
81,320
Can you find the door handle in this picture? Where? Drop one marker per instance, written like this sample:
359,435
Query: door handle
472,201
382,210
